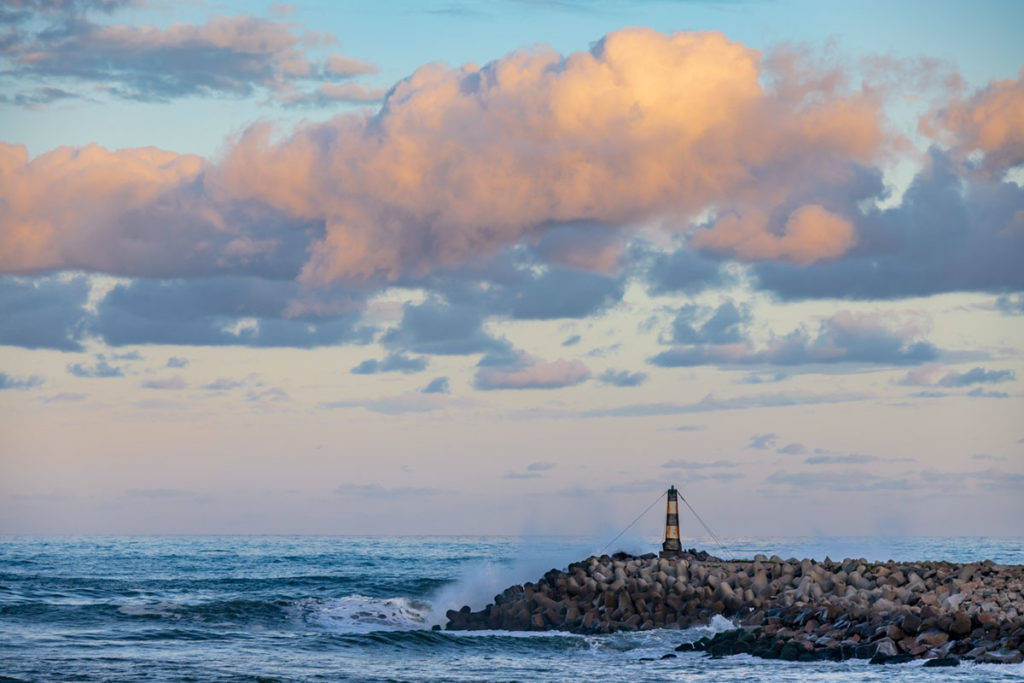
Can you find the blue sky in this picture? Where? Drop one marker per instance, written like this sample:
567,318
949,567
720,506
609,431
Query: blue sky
510,267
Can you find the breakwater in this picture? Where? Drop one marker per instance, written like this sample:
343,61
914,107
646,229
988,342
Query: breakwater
785,609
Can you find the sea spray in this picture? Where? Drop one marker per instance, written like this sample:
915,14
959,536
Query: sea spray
480,581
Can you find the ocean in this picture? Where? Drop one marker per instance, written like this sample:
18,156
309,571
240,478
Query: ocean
266,608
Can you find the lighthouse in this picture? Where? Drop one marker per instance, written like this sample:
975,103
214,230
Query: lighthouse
671,547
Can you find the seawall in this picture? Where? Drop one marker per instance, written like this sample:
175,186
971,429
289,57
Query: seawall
789,609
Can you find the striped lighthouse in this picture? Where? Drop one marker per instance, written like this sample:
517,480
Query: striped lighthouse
671,547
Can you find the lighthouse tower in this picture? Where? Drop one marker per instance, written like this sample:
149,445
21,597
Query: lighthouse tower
671,547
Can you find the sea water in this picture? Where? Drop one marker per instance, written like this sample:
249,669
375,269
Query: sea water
258,608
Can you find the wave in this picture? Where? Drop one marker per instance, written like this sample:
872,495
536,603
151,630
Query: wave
362,614
74,587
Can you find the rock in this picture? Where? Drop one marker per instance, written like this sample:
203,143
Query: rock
805,610
1001,657
910,624
942,661
932,638
960,626
887,648
880,658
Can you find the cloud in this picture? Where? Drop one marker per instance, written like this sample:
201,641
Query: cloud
100,369
792,449
844,338
173,383
763,377
238,56
1011,305
438,385
541,466
529,114
918,377
846,459
1012,481
64,397
986,456
956,229
412,402
393,362
710,403
378,491
622,378
848,480
809,234
331,93
242,311
526,372
682,271
762,441
713,476
978,392
976,375
44,313
644,128
572,340
929,394
566,293
697,465
988,121
176,362
723,325
270,394
227,384
38,97
20,383
520,475
437,327
761,161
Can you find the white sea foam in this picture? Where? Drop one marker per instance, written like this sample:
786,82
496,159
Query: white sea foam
718,624
361,614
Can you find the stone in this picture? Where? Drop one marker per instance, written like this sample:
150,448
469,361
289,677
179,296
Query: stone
910,624
942,661
960,626
932,638
1001,657
887,648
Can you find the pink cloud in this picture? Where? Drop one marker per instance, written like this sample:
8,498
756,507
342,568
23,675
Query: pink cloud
811,233
532,373
991,120
645,129
66,204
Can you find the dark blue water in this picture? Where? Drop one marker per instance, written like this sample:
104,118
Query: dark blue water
343,608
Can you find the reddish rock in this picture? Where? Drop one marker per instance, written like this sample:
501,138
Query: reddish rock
932,638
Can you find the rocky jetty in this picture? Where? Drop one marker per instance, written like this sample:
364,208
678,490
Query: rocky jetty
785,609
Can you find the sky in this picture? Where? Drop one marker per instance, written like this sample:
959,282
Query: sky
511,267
